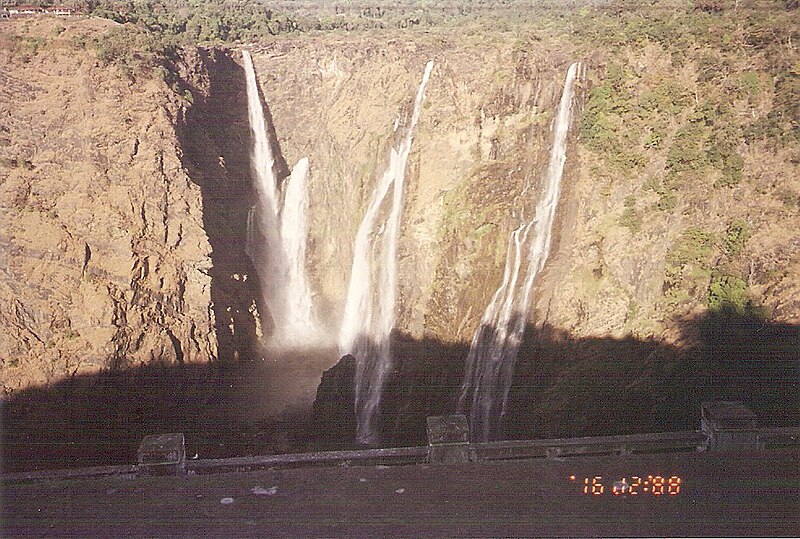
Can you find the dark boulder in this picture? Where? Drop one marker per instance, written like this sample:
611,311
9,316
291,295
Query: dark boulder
334,407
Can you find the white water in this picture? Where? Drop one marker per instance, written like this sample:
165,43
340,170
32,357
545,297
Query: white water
494,348
294,232
369,312
277,232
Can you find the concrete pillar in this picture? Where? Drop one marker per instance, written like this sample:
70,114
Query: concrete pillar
448,439
162,454
730,426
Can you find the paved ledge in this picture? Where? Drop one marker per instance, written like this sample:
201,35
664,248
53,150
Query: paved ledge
725,494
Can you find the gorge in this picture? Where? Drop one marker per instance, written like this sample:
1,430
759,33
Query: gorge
136,297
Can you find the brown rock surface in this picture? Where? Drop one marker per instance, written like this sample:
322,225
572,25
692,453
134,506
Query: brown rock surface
104,257
484,129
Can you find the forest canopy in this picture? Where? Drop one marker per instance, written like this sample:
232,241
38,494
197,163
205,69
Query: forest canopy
197,21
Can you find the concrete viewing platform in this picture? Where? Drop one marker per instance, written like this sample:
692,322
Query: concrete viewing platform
674,494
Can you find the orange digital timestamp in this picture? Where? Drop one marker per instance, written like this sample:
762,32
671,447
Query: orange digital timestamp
635,485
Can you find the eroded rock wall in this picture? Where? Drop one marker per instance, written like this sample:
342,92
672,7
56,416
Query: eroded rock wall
125,205
617,266
104,258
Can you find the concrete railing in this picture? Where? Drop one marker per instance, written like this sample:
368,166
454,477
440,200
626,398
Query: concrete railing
505,450
726,426
598,445
769,438
365,457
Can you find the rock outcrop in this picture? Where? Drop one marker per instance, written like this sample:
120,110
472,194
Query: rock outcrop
105,261
333,413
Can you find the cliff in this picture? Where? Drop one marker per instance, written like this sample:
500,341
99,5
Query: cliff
645,235
104,255
674,274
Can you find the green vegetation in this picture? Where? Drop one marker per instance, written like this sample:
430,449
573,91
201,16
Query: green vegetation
688,115
750,84
692,248
722,147
132,48
711,137
687,153
631,218
667,199
23,47
197,21
781,125
688,271
687,265
668,97
602,122
728,294
206,21
736,235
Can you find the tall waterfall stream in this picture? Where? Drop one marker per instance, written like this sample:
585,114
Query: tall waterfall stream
369,313
277,232
494,348
277,243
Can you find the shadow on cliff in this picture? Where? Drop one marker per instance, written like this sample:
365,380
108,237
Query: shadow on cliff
563,387
224,409
566,387
216,142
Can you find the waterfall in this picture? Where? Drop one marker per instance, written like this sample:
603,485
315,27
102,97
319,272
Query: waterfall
295,235
276,239
369,312
494,348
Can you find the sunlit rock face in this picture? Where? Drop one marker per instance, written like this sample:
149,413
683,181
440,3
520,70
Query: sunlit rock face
105,258
484,132
484,129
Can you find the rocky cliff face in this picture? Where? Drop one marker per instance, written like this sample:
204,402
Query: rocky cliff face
484,129
104,257
619,265
678,217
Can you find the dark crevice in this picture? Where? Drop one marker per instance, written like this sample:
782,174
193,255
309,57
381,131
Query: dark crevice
176,345
216,142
